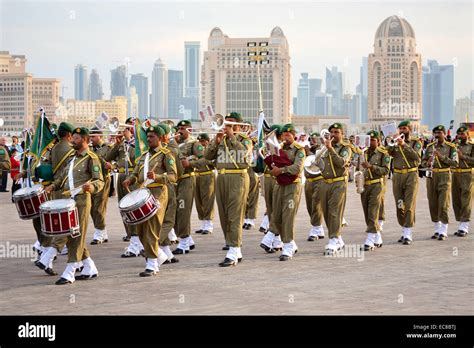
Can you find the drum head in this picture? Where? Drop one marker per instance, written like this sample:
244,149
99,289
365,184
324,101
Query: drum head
57,204
27,191
134,197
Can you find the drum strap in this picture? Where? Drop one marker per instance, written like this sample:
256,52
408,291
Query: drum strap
75,165
55,169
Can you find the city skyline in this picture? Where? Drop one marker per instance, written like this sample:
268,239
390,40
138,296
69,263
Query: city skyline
334,43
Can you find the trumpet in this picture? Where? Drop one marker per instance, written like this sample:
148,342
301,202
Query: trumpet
393,142
201,130
218,122
115,125
313,164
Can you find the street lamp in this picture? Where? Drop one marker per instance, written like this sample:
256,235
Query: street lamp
258,55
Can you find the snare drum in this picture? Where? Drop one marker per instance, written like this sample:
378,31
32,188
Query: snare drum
59,217
138,206
28,200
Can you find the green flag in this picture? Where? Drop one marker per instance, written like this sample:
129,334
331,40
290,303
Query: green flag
141,143
26,155
43,139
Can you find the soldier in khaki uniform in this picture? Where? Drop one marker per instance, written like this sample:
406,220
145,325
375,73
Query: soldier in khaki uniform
231,152
462,182
335,163
439,157
100,199
61,154
286,197
170,213
5,165
188,149
271,242
376,165
406,154
252,201
162,169
312,187
84,170
205,194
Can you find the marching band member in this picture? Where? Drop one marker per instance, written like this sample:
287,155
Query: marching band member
100,199
205,188
84,170
170,213
376,166
61,153
439,156
334,186
406,154
462,182
286,197
252,201
230,152
188,147
312,188
161,168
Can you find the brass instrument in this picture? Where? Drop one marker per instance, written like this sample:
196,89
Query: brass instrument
218,122
313,164
393,142
359,175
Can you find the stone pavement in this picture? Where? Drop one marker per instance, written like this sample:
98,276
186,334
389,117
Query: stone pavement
428,277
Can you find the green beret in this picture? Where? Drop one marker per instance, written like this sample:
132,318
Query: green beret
81,131
203,136
374,134
335,125
314,134
439,128
157,130
289,127
462,129
405,123
66,126
94,130
185,123
54,126
165,127
234,115
276,127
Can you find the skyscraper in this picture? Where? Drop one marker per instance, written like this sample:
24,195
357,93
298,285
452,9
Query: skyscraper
140,82
335,87
314,89
364,74
394,80
191,69
95,86
303,95
438,94
175,93
118,82
81,85
159,90
229,83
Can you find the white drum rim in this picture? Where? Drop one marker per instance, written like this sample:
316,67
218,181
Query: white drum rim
34,190
137,203
46,206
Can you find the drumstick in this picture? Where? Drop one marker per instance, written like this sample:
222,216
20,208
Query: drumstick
152,170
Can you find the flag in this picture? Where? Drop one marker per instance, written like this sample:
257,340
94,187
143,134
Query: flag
258,160
26,155
141,143
43,139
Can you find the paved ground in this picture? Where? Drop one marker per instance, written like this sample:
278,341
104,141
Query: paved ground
428,277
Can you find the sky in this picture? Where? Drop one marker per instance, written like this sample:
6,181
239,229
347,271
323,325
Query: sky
57,35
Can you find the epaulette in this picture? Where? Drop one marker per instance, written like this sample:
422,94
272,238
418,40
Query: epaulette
243,136
450,144
165,150
430,144
412,137
381,149
92,154
298,146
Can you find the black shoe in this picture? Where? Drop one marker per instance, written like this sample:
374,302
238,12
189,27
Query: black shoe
63,281
227,262
192,247
147,273
205,232
173,260
50,271
129,254
198,231
86,276
320,237
407,241
4,191
378,245
312,238
456,233
226,247
266,248
96,241
442,237
284,258
435,236
40,265
462,233
240,259
126,239
280,249
368,247
263,230
79,269
179,251
401,240
245,226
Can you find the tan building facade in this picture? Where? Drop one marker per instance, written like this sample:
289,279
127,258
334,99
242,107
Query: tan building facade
394,74
314,123
83,113
229,83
